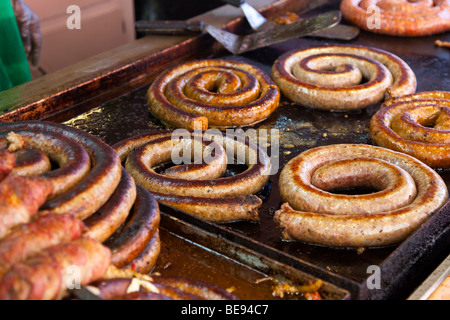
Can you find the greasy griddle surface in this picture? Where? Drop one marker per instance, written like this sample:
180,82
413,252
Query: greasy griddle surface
300,129
180,257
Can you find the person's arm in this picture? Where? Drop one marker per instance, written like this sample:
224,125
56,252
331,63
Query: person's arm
30,30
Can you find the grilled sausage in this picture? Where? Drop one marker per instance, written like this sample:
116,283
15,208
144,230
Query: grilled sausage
400,17
318,216
134,237
418,125
81,186
102,224
221,200
212,93
20,199
48,274
147,258
7,163
30,238
304,76
175,288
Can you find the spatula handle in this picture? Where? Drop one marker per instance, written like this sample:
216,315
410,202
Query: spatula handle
236,3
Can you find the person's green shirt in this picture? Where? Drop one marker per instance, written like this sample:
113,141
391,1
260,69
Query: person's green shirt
14,67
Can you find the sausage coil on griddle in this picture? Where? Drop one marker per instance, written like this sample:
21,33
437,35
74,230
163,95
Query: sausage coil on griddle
332,77
78,175
88,170
212,93
399,17
198,189
418,125
407,193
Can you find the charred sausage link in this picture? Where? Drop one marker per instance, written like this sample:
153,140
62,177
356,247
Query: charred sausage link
48,274
184,97
89,169
135,235
30,238
17,204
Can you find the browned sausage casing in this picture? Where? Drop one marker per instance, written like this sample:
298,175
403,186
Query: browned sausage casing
137,233
212,93
51,272
399,18
30,238
214,198
418,125
17,204
7,162
89,170
329,77
317,215
176,288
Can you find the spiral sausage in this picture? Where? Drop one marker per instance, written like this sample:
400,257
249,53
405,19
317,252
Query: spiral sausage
79,187
91,185
212,93
138,231
399,17
418,125
329,77
214,198
312,213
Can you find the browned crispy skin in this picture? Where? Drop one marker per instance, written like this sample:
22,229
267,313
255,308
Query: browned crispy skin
429,144
102,224
389,76
20,199
221,200
304,216
146,260
90,165
175,288
399,18
35,236
7,162
178,98
48,274
129,242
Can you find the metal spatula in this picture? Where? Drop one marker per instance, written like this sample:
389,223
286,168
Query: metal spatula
254,18
238,44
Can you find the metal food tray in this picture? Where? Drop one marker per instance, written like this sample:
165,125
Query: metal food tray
118,110
194,253
436,285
